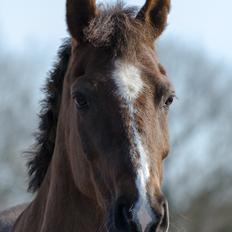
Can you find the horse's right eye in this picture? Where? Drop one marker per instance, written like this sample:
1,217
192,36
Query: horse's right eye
81,101
170,100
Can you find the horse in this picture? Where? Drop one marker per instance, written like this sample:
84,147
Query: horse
97,164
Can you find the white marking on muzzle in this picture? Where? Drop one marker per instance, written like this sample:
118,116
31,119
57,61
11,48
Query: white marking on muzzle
129,84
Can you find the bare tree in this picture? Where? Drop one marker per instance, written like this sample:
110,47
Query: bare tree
19,78
199,176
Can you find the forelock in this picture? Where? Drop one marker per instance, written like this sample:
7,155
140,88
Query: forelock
117,29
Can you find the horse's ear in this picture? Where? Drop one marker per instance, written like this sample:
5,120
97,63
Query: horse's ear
78,15
155,13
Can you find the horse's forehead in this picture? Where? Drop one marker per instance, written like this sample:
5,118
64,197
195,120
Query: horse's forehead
128,80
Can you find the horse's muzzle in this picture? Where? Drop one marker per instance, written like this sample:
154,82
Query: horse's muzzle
123,219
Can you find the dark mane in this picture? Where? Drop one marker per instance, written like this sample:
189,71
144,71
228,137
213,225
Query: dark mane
42,151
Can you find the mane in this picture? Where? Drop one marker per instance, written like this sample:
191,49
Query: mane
42,151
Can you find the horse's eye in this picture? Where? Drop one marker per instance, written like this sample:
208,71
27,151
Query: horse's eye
169,101
81,101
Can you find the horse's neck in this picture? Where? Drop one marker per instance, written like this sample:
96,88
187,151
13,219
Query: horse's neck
59,205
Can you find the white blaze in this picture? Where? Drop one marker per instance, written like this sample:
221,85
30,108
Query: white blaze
130,85
128,80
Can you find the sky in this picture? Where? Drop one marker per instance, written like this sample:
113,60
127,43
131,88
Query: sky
195,23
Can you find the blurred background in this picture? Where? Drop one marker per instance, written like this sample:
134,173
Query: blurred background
196,50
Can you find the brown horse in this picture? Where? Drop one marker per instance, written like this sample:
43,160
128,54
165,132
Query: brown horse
97,164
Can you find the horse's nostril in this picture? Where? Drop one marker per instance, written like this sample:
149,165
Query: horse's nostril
165,218
162,222
122,216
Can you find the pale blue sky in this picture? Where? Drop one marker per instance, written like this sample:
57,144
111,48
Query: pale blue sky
204,23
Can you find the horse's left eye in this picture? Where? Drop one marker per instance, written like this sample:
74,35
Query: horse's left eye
81,101
169,100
